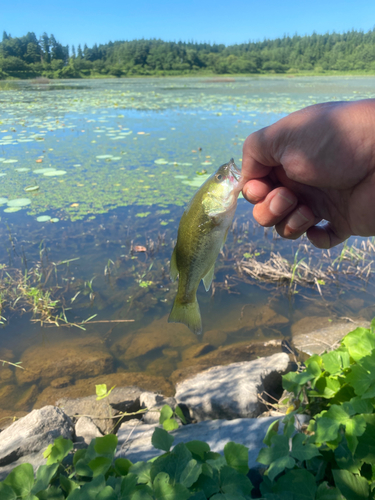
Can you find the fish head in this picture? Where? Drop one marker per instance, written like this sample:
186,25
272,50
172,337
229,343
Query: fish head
221,189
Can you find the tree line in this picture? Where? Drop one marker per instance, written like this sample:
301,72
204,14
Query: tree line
29,56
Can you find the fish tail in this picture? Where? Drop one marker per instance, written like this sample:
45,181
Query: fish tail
188,314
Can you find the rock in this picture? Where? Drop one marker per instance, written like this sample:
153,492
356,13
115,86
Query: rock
6,354
254,316
7,393
61,382
86,387
157,335
214,337
35,459
6,373
80,358
86,430
33,433
154,402
125,399
232,391
135,443
196,351
161,367
27,399
316,341
224,355
8,416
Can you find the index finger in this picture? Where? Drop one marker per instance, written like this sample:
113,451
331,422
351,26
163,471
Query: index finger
258,156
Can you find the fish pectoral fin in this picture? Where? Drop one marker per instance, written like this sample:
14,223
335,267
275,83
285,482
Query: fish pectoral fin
207,280
173,271
224,240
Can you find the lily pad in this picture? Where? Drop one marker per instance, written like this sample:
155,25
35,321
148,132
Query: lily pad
21,169
3,201
10,210
29,189
161,161
43,218
19,202
54,173
10,161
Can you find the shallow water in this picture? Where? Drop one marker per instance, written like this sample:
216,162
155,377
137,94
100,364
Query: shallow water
113,162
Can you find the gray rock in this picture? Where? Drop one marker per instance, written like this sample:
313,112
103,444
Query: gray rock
135,442
121,399
86,430
35,459
154,402
33,433
232,391
319,340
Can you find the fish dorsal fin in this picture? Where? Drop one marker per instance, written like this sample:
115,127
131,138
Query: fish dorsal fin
207,280
173,271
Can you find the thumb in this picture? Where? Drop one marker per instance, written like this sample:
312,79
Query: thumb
257,154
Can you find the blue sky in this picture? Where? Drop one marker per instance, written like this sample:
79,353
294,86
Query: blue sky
235,21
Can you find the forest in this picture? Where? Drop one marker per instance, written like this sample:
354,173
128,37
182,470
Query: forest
30,57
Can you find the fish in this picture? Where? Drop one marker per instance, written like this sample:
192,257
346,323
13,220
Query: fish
201,235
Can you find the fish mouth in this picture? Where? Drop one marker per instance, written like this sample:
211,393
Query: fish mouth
235,172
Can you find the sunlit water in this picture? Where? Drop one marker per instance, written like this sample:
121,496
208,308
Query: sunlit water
113,163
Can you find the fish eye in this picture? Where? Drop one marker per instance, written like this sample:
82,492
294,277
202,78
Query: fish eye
219,177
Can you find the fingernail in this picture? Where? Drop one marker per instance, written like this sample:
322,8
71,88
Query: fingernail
297,220
280,204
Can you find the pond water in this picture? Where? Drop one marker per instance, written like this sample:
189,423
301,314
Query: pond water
95,175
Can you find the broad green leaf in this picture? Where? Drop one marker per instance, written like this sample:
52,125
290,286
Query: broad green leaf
165,413
78,455
302,450
6,492
271,431
67,485
361,405
106,445
180,414
129,484
21,480
361,378
82,469
199,495
106,494
122,466
198,448
102,392
233,482
335,361
100,465
43,477
163,490
172,463
279,449
292,381
237,456
190,474
326,492
52,493
142,495
297,484
360,342
89,490
58,451
227,496
365,450
279,466
351,486
170,424
217,463
142,470
208,481
326,387
344,458
161,439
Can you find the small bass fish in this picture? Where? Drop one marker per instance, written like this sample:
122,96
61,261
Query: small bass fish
202,233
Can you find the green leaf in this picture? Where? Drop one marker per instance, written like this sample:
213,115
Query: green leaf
233,482
141,495
365,450
170,424
351,486
106,445
191,473
6,492
82,469
142,470
161,439
297,484
344,458
198,448
107,494
237,456
122,466
52,493
271,431
21,480
180,414
163,490
100,465
279,466
326,388
302,450
165,413
129,484
208,481
101,390
336,361
67,485
360,342
78,455
58,451
199,495
89,490
172,463
44,476
279,450
326,492
292,381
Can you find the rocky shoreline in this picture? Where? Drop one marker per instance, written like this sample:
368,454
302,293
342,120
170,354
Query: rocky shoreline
221,403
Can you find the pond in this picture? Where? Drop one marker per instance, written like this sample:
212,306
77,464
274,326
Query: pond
95,175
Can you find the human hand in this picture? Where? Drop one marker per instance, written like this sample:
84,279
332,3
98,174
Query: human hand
315,164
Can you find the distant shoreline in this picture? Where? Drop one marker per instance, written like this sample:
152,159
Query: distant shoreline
211,77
